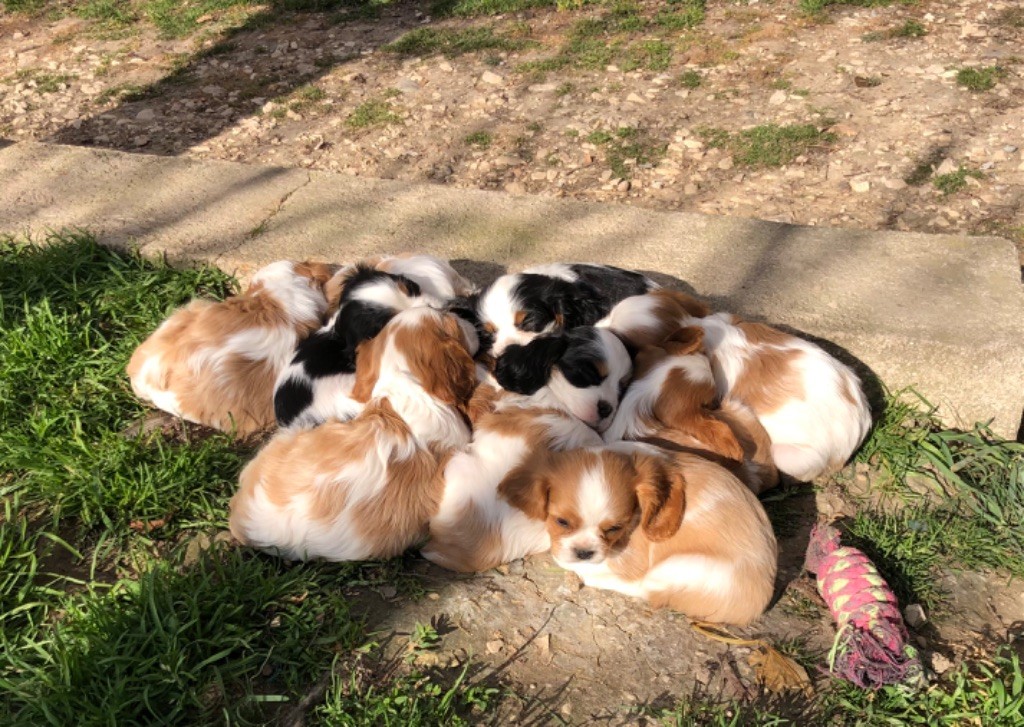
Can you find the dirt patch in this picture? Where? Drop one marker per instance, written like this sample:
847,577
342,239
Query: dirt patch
608,102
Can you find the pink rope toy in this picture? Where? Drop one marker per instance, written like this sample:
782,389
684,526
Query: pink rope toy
871,647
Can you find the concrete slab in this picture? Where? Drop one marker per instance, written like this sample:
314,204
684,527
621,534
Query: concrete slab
942,312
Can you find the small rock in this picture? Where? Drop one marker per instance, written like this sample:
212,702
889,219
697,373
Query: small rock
948,166
623,186
566,709
690,188
140,140
195,548
894,184
726,163
860,186
915,616
778,98
542,87
388,592
18,36
636,98
939,663
213,90
407,85
492,78
515,188
145,115
1009,148
446,66
493,647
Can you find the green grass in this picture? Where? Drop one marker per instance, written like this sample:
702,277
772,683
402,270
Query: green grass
470,8
907,29
815,7
979,80
628,147
972,515
690,79
955,181
651,55
479,139
372,113
985,691
769,145
452,42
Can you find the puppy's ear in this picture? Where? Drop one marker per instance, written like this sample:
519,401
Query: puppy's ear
683,341
527,488
690,305
357,322
453,379
525,369
661,494
368,355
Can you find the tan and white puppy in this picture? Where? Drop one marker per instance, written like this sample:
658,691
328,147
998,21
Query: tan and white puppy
648,319
674,529
215,362
366,488
673,399
476,526
811,405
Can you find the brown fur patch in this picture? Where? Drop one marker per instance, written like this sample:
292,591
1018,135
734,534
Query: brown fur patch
519,317
769,380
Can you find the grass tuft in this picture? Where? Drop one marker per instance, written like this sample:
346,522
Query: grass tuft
479,139
372,113
979,80
955,181
769,145
452,42
627,148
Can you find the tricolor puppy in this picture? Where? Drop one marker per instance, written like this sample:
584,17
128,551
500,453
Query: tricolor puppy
518,307
673,399
317,386
811,405
366,488
583,370
673,529
476,526
215,363
649,319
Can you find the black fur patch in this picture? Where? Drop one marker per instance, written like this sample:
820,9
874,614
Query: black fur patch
465,307
614,283
582,355
525,369
291,399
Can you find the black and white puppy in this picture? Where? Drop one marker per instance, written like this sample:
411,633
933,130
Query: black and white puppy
317,385
549,298
584,370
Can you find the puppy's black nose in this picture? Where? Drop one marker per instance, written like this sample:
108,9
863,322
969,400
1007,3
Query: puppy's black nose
584,554
604,409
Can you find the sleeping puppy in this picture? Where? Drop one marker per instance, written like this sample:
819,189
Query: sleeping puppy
518,307
317,385
215,363
569,370
366,488
476,526
811,405
672,399
674,529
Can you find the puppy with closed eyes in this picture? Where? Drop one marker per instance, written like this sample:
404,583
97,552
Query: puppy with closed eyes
518,307
649,319
317,385
476,526
674,529
367,487
215,363
673,399
811,404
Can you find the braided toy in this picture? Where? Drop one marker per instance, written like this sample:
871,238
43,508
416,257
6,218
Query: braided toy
871,648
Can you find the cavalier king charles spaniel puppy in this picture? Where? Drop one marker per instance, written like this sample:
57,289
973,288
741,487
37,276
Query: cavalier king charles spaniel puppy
476,527
516,308
649,319
317,385
672,528
215,363
811,405
673,400
367,487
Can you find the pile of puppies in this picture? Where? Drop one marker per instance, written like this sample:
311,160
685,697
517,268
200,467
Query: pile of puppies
580,409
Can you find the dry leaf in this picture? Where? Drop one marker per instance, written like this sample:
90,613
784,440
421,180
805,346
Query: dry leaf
147,526
779,673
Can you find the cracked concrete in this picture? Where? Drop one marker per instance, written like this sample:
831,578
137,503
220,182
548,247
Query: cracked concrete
941,312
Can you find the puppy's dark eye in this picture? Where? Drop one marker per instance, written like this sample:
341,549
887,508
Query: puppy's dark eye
623,385
612,530
562,522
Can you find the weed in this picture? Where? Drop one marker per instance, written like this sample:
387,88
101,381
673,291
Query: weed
909,29
651,55
816,7
769,145
627,148
564,89
682,16
372,113
955,181
690,79
480,139
469,8
112,13
452,42
424,637
979,79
